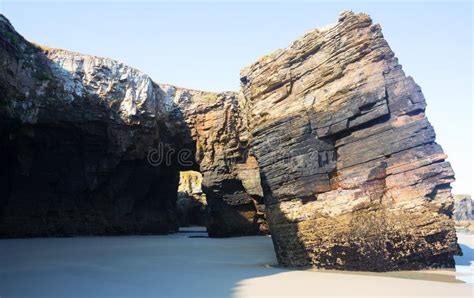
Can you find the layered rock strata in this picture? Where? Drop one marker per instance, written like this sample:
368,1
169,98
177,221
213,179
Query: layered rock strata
351,173
217,136
92,146
329,134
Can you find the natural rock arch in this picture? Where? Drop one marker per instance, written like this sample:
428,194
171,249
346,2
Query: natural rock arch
329,131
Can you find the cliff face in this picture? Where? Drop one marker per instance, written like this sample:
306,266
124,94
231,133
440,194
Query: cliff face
351,174
217,137
95,147
75,130
329,134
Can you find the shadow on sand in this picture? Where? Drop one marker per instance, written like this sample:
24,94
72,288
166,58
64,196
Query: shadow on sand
177,265
468,256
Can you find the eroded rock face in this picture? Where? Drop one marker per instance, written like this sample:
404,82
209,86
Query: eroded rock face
75,131
191,203
218,139
463,208
93,146
351,173
329,133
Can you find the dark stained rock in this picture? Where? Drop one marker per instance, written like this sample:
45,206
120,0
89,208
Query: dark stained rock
218,140
75,131
92,146
351,173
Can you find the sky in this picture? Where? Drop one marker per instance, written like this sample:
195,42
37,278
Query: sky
203,45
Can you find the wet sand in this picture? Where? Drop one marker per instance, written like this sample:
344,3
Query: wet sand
189,264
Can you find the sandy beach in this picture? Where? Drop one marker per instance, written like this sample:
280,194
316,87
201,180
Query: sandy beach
189,264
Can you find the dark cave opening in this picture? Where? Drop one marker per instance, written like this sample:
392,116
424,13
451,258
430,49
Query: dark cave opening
67,179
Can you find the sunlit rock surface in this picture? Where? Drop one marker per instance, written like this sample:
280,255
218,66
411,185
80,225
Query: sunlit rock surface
351,173
191,203
463,214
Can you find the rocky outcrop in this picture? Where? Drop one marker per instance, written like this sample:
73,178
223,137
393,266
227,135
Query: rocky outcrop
93,146
75,130
351,173
218,139
463,209
329,136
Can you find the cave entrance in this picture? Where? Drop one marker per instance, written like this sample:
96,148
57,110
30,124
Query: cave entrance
191,200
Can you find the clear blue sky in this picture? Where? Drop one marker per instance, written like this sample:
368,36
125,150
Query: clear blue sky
204,45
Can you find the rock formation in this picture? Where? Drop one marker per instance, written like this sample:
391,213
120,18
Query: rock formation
212,129
329,134
92,146
191,202
463,214
75,130
463,208
352,176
